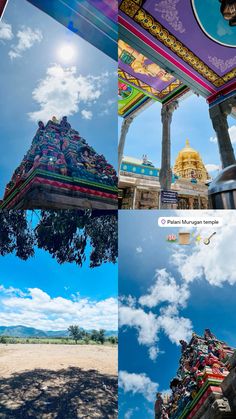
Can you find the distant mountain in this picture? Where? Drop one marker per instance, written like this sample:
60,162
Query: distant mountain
22,332
31,332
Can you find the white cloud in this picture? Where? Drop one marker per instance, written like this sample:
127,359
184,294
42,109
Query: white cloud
138,383
201,263
36,308
27,37
6,33
165,289
153,353
175,327
149,325
62,90
108,107
212,167
139,249
11,291
86,114
145,323
232,133
129,414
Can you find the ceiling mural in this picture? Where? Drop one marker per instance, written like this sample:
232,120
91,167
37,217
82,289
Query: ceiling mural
213,23
142,73
136,70
173,30
129,99
107,7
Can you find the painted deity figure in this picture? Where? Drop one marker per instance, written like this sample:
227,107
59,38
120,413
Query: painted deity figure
64,123
141,64
228,11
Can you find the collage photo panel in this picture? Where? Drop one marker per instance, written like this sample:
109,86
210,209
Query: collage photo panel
117,215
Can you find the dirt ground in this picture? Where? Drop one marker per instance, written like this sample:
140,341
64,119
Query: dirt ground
58,381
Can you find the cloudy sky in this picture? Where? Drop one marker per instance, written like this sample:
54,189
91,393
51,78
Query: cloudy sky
38,81
190,121
167,292
43,294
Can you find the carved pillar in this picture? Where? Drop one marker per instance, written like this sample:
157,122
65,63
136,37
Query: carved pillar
134,198
165,172
124,129
218,115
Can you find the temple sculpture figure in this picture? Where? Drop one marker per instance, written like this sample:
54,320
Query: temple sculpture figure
189,165
60,170
199,389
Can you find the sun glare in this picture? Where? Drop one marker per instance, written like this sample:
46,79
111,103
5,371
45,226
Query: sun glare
66,52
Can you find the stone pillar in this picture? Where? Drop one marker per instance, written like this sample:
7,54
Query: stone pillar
191,202
134,198
165,175
218,116
124,129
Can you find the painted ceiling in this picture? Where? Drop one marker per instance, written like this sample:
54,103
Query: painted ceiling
139,74
130,99
189,39
93,20
2,6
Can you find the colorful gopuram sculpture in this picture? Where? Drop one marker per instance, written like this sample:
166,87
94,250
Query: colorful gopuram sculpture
189,165
57,149
196,390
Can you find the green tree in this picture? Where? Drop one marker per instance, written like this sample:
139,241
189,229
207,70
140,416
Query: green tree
95,335
3,339
63,233
113,340
101,336
16,236
75,332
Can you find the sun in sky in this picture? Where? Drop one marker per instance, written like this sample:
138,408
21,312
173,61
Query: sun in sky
66,52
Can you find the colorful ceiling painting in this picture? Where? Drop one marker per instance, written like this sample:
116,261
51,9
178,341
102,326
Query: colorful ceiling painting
169,33
213,23
106,7
142,73
3,4
95,21
130,99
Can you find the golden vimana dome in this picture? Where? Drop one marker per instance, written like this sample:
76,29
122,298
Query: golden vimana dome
189,165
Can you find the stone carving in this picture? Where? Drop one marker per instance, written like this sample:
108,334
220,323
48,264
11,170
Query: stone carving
57,148
204,358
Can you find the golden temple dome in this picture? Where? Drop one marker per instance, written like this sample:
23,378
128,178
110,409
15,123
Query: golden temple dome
189,165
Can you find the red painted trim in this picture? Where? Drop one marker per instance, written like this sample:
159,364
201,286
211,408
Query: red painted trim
41,181
204,397
162,52
228,89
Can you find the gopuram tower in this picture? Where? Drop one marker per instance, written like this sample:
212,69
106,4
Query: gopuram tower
60,170
205,384
189,165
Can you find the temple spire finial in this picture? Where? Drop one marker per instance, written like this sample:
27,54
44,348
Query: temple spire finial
187,142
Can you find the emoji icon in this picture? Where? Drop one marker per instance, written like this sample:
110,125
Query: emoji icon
171,238
207,241
198,238
184,238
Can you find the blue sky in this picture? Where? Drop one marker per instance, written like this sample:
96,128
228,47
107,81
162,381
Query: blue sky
167,292
190,121
41,293
31,61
